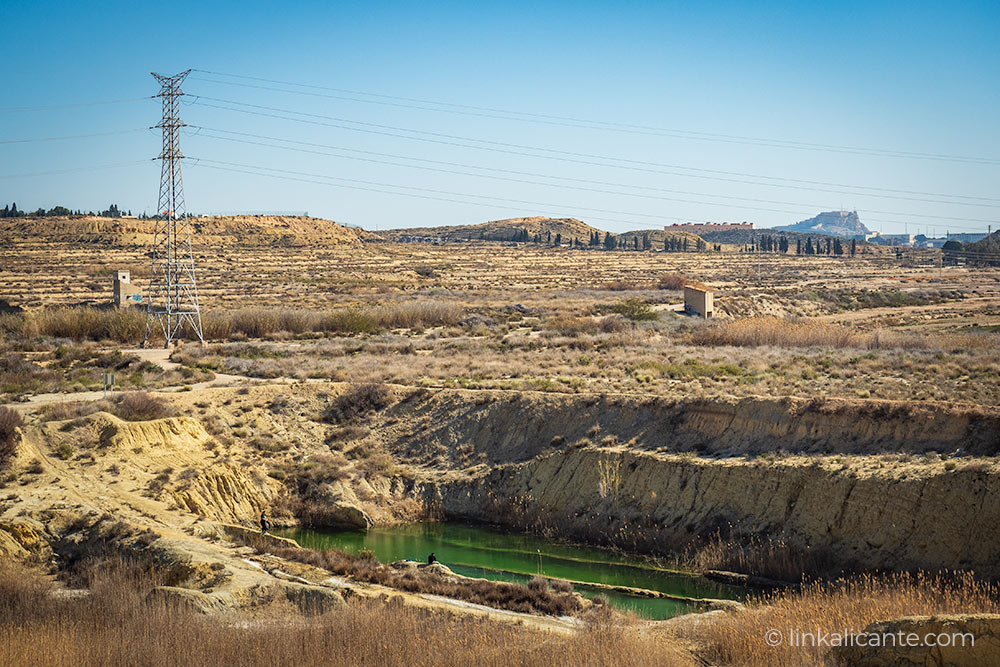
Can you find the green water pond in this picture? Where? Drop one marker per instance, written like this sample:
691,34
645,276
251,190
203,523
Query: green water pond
485,551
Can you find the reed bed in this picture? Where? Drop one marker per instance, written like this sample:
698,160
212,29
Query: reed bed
119,625
129,325
779,332
844,604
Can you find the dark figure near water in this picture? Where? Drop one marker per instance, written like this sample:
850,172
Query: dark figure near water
432,559
265,523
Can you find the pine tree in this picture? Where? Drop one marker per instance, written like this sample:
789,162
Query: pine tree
558,240
809,247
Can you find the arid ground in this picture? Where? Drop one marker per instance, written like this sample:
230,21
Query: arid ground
830,438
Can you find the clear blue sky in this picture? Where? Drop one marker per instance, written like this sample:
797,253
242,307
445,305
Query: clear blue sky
896,77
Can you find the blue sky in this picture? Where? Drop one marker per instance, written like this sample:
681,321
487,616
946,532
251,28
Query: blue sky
724,86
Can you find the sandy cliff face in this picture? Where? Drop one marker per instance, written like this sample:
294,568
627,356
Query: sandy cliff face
903,519
512,426
652,474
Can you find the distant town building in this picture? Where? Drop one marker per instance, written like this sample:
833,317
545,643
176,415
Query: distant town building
707,227
124,293
891,239
699,300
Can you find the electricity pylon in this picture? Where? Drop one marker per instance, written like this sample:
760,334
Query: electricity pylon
173,292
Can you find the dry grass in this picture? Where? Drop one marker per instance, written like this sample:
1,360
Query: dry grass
10,422
779,332
118,625
849,604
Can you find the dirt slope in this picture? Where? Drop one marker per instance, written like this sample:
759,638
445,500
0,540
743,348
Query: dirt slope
856,516
208,231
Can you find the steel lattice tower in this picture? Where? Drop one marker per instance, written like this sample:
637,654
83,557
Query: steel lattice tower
173,293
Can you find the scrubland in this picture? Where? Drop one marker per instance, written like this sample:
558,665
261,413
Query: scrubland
510,329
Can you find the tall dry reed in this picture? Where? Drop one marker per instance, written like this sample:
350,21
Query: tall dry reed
119,625
844,604
779,332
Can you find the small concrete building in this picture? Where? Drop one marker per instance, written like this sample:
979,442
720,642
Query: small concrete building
124,293
699,300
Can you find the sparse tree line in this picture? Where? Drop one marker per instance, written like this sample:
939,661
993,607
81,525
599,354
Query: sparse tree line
111,211
822,246
609,241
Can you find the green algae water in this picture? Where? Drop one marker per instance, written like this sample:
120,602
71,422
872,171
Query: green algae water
484,551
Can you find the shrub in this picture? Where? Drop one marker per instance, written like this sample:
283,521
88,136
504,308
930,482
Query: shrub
635,310
355,402
137,406
538,584
10,421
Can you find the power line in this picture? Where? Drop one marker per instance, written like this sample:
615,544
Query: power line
569,121
297,175
528,182
74,136
75,169
574,157
75,104
418,192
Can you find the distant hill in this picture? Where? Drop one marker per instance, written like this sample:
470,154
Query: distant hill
206,231
501,230
832,223
990,244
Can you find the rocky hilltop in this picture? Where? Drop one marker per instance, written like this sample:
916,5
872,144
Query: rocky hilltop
206,231
990,244
834,223
502,230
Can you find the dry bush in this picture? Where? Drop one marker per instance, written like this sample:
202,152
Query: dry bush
73,410
775,331
671,281
137,406
10,422
535,598
120,625
635,310
19,375
356,402
851,604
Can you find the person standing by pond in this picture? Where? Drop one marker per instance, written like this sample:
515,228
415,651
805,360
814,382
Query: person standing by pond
265,523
